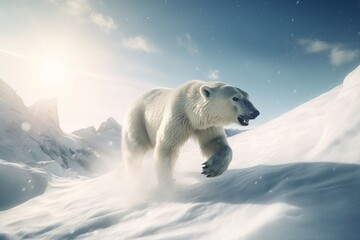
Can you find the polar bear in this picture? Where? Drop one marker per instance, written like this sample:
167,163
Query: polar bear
163,119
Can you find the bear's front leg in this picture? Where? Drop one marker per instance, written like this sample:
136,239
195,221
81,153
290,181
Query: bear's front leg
214,145
218,163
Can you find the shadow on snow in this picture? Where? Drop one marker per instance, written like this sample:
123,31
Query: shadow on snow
327,195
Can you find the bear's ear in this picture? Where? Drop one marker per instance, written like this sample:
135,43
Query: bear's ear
245,94
205,91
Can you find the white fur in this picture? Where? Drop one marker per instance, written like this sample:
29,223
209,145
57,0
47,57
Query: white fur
163,119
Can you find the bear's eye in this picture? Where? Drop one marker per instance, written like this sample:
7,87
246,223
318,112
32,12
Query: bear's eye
235,99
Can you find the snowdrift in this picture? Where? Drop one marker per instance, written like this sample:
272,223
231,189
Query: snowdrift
19,183
341,129
326,128
296,177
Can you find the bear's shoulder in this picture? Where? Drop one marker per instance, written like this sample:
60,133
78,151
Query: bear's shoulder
192,84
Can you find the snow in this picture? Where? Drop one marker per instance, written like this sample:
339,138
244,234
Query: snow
296,177
19,183
25,126
105,141
47,110
341,135
32,135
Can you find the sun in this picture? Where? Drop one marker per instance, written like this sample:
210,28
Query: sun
53,73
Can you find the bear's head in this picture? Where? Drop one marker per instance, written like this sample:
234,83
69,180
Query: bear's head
227,104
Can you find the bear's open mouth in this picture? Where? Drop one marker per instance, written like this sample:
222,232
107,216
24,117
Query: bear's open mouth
243,121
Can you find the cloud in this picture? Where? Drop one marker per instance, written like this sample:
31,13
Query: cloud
337,54
139,43
340,56
82,10
188,43
104,22
314,46
214,74
75,7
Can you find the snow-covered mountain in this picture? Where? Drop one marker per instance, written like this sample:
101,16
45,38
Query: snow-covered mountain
296,177
46,110
32,135
106,141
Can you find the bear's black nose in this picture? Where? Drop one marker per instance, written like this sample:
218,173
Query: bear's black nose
255,114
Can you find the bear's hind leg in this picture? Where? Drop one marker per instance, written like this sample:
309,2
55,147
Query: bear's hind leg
166,157
133,151
133,159
168,143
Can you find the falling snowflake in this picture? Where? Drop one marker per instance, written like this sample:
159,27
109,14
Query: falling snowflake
25,126
293,19
23,189
294,91
110,143
147,20
297,2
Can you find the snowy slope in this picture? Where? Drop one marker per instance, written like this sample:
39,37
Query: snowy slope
19,182
296,177
324,129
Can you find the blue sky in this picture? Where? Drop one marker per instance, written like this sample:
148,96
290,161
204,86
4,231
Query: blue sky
283,53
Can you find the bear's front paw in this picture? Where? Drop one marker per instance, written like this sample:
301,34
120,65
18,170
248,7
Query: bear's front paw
214,166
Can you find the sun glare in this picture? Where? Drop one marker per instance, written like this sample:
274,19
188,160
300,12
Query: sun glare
53,73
